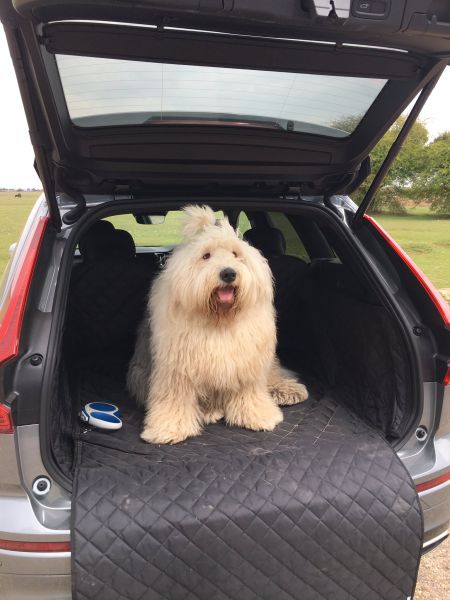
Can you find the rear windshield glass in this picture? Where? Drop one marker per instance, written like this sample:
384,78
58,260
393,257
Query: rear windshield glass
108,92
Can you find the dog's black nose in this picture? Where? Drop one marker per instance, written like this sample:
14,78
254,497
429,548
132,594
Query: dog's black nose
228,275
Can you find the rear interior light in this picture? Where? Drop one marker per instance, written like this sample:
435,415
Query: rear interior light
433,293
427,485
6,424
18,546
13,307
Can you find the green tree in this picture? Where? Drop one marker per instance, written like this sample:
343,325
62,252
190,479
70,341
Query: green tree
434,179
400,180
348,124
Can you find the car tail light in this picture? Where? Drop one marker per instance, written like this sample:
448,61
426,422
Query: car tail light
19,546
446,380
13,307
426,485
435,296
6,424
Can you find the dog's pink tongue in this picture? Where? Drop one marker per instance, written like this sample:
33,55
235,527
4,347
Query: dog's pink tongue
225,295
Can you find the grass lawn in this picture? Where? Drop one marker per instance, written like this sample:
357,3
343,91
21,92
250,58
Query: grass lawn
13,214
164,234
424,236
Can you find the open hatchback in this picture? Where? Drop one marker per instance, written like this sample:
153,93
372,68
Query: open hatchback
268,112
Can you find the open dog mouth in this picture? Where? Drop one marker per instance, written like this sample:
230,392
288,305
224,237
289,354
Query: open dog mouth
225,295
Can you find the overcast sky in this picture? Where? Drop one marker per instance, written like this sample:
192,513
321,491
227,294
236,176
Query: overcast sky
16,153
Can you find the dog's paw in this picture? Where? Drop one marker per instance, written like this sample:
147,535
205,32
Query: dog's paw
169,435
288,392
265,418
212,416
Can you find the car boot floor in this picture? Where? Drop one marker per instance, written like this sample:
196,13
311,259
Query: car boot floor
319,508
103,386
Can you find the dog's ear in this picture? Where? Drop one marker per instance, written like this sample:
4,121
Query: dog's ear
198,218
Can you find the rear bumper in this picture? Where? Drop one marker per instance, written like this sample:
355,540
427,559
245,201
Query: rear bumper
46,576
35,575
35,587
31,575
436,513
428,463
34,563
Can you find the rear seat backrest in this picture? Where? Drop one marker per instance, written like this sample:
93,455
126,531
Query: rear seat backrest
107,293
288,273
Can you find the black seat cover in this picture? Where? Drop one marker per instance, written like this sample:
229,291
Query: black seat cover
288,273
319,509
107,293
269,240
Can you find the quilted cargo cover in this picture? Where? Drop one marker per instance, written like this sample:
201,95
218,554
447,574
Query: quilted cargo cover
321,508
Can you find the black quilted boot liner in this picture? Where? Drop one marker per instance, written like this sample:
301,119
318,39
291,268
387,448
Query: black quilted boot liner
321,508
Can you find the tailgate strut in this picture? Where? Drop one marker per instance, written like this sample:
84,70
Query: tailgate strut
395,148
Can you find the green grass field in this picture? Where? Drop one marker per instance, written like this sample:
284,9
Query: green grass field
13,215
424,236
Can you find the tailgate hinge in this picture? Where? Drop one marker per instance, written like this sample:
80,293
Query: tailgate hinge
80,203
291,193
123,192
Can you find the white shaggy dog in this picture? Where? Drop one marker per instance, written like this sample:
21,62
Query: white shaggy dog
206,348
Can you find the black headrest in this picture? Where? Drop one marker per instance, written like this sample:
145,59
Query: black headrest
123,246
103,241
269,240
95,238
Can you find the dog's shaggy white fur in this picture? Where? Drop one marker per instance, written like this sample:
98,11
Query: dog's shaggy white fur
206,348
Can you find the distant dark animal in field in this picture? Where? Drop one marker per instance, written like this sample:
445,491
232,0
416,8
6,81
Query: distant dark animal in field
19,195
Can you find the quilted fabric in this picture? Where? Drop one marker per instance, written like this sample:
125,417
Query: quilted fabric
362,356
289,273
321,508
98,294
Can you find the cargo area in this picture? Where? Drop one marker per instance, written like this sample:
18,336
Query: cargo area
320,507
332,329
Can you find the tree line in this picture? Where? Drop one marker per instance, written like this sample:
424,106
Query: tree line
421,171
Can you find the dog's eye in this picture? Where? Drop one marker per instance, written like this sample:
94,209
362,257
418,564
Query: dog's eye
206,256
235,254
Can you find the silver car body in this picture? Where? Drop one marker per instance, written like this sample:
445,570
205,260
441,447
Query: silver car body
26,516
